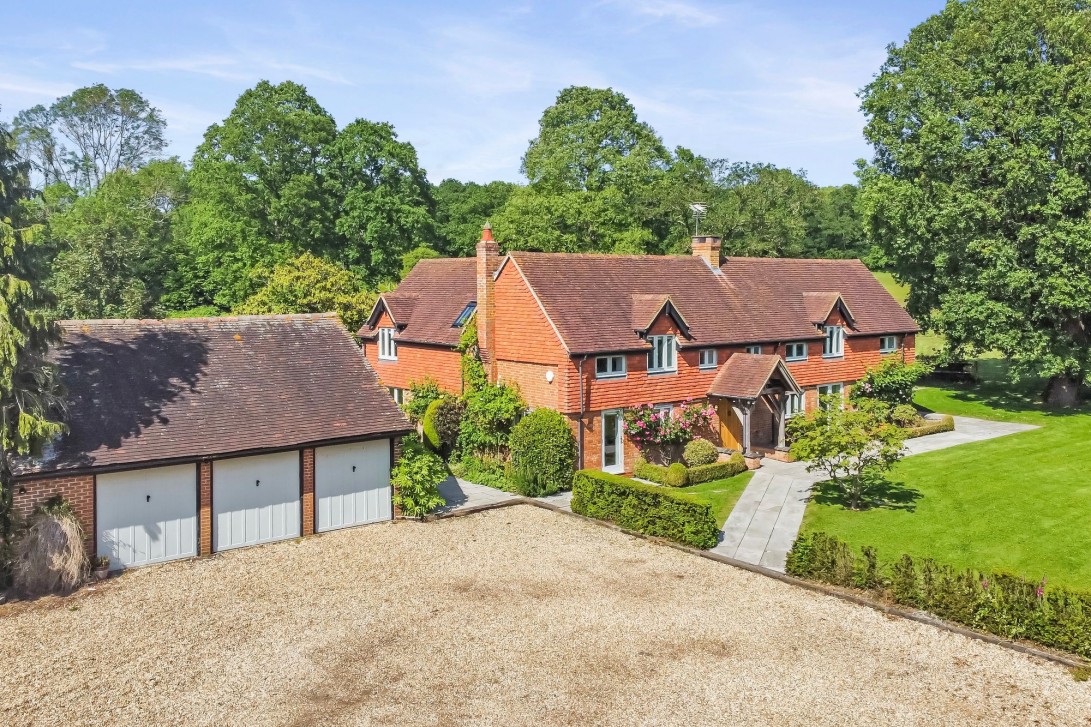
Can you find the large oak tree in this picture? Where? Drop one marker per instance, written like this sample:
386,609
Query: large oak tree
979,193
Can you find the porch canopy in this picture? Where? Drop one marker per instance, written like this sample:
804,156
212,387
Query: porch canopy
743,381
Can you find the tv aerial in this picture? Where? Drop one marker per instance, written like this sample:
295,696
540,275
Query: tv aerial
700,209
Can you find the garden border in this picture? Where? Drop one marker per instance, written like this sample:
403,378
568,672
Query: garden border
922,617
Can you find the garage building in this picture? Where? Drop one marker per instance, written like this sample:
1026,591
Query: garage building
192,436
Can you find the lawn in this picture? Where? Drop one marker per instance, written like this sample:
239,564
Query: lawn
1020,503
721,494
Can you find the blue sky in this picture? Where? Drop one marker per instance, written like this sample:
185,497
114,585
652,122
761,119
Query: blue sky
466,82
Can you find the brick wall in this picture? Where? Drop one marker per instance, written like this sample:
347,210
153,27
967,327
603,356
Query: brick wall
416,362
531,381
78,490
204,515
308,491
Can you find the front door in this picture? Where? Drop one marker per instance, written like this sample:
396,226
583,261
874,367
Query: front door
613,456
730,426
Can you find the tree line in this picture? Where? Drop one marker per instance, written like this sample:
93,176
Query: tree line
281,210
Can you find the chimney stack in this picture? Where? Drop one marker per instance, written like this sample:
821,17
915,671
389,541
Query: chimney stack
488,257
707,247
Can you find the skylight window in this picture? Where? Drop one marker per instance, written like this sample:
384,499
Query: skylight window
465,315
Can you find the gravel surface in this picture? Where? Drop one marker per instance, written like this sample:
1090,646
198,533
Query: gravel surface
508,617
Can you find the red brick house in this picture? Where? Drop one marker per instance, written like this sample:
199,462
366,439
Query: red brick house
593,335
192,436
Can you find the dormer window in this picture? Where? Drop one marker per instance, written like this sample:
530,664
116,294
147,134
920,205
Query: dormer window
664,354
834,344
388,347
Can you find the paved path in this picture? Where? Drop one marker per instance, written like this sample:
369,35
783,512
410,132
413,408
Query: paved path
766,519
461,494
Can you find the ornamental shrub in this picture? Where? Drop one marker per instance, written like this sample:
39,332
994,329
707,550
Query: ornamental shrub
905,415
945,423
736,465
446,421
677,475
543,454
667,431
49,553
650,509
416,479
651,472
491,412
428,426
487,471
891,381
700,451
421,394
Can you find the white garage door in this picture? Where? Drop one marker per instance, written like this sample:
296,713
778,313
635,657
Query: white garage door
255,499
352,484
147,516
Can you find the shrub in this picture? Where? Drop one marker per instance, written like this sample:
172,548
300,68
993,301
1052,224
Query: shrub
447,421
648,509
428,426
700,451
677,475
946,423
891,381
491,412
999,603
718,470
667,432
416,479
649,471
543,454
421,395
488,471
49,554
905,415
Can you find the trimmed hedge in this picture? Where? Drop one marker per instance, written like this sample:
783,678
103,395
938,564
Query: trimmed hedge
648,509
651,472
677,475
998,603
932,426
428,425
700,451
718,470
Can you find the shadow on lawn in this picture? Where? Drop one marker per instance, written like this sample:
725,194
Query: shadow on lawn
879,494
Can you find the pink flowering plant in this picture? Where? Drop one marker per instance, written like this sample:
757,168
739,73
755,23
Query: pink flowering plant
666,431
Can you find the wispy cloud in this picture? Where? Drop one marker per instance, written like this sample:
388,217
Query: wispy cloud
677,11
226,67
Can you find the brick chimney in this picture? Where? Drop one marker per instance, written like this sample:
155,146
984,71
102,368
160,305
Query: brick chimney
707,247
488,257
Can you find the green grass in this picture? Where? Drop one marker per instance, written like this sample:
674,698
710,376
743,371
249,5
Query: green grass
1020,503
928,344
721,494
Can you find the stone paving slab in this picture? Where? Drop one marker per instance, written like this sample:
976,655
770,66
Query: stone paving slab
461,494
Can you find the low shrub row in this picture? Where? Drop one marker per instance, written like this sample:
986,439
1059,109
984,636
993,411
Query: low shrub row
932,426
648,509
998,603
678,475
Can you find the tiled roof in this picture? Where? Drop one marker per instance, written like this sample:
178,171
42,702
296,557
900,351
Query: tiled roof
440,289
646,308
819,305
148,390
744,375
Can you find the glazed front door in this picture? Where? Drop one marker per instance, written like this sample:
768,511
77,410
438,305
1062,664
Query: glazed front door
613,455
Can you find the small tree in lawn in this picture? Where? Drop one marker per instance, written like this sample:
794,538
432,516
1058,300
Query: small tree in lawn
850,446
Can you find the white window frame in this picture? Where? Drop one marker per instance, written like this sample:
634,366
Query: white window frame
833,345
794,404
707,358
388,347
828,390
664,407
754,349
788,356
612,371
663,358
888,344
398,395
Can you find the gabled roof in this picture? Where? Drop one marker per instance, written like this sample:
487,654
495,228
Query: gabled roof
745,376
648,308
428,302
819,305
152,391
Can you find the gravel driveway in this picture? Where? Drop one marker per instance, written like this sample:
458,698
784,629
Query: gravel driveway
508,617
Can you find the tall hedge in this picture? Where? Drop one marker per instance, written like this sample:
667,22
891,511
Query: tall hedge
649,509
543,453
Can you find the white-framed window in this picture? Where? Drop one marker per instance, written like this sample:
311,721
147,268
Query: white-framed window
834,345
667,408
795,351
888,344
794,404
398,395
664,354
831,390
753,349
609,367
708,358
388,347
